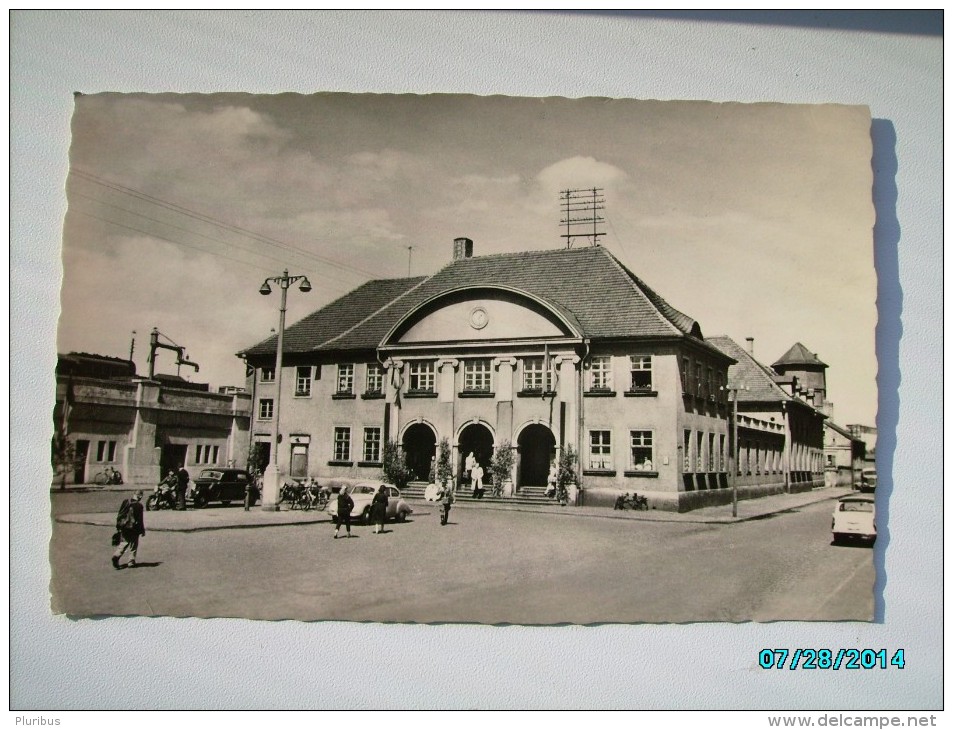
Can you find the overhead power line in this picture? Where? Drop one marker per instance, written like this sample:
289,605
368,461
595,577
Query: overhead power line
188,212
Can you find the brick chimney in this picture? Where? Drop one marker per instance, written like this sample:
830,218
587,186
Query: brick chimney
750,341
462,248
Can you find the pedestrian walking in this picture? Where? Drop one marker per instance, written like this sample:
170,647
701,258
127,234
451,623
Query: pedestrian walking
345,505
379,509
130,526
181,485
476,476
445,497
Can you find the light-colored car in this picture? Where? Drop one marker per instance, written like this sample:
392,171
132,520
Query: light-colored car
854,518
868,480
363,495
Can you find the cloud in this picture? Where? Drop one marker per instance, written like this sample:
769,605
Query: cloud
579,172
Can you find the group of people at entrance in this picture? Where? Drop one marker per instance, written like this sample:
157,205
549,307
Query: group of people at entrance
474,474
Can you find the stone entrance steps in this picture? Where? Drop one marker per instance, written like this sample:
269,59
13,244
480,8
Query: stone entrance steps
525,495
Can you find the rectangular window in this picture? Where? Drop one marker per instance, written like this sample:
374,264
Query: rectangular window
711,384
600,450
641,369
533,373
198,454
266,409
372,444
686,375
422,376
106,451
345,379
342,444
700,446
600,373
476,375
698,381
641,451
722,458
268,375
711,452
375,378
687,448
303,380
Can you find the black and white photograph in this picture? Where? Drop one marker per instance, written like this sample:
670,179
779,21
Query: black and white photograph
476,360
525,357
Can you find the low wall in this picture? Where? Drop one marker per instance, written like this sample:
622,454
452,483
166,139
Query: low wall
688,501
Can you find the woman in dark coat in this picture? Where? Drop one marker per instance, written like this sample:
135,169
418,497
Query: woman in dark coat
379,509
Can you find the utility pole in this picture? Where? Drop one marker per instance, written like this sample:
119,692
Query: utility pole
733,392
132,345
581,214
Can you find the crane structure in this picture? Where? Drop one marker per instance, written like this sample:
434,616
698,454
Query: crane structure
181,357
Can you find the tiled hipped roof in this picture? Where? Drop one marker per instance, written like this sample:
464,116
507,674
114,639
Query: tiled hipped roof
798,355
756,379
588,286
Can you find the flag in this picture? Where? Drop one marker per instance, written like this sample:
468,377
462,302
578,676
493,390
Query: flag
545,370
68,399
396,381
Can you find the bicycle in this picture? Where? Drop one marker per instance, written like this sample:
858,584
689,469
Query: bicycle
108,476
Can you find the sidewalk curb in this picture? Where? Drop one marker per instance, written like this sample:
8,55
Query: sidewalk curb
292,518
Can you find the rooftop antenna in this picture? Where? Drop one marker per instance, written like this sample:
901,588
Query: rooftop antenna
410,253
581,217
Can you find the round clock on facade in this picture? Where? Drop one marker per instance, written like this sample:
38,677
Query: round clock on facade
478,318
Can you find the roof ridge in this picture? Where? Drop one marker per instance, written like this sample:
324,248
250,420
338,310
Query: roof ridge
396,299
638,285
767,371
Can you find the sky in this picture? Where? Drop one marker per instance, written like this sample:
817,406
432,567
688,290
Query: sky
754,219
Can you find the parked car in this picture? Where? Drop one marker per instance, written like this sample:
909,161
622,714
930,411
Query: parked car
363,495
222,485
868,480
854,518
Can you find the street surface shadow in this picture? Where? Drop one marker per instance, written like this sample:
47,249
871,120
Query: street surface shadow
137,566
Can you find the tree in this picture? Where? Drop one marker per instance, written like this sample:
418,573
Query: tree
501,465
566,475
256,458
444,465
395,469
63,457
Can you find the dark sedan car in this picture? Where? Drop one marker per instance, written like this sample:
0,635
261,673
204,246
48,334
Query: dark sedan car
222,485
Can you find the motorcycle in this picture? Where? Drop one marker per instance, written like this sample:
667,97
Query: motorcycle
293,493
162,498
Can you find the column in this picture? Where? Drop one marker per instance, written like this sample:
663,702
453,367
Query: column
446,390
505,366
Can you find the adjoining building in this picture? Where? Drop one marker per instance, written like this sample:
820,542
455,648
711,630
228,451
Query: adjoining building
539,351
113,419
780,434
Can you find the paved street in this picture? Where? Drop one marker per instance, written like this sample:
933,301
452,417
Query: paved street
487,566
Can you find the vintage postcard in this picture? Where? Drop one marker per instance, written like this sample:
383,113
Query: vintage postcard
466,359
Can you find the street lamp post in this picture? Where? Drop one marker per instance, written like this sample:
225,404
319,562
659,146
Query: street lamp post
733,390
272,476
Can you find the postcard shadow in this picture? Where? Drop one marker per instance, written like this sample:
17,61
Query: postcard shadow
888,333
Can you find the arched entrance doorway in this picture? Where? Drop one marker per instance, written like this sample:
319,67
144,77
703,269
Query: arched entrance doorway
475,438
420,446
537,450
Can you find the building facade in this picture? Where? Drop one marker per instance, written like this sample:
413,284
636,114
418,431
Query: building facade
538,352
113,419
780,434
